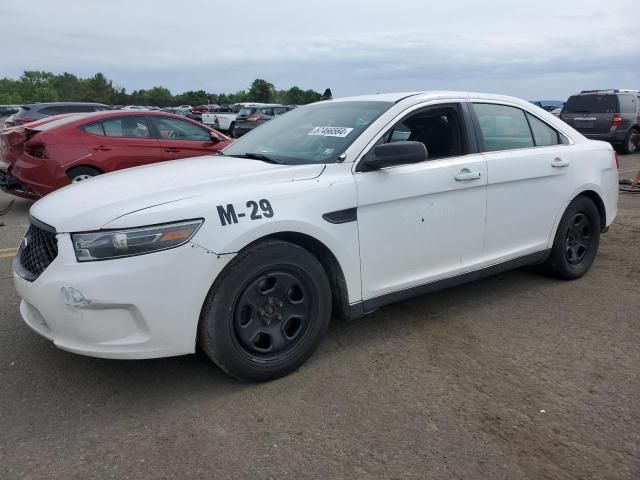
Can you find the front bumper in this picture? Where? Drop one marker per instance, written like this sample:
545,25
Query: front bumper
138,307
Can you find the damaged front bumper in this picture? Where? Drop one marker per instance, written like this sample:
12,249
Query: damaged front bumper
146,306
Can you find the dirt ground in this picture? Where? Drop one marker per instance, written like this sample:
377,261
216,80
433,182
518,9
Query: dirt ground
513,377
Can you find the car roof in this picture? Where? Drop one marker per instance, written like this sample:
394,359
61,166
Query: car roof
425,96
66,119
48,104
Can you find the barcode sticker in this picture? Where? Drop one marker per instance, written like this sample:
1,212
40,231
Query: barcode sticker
331,131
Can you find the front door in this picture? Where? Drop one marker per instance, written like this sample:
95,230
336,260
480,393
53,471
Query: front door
423,222
182,138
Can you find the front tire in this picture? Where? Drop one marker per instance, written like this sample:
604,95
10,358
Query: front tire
267,312
576,242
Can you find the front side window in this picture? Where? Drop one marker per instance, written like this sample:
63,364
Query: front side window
316,133
543,134
279,110
174,129
503,127
439,129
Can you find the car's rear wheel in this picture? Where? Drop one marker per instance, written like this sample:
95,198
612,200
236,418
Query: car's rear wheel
576,242
81,174
232,130
267,312
630,144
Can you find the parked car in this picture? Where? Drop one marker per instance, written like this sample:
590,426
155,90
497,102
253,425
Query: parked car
49,154
325,212
7,110
609,115
548,105
251,117
37,111
224,119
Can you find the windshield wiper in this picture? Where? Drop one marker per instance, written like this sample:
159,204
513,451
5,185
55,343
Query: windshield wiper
262,157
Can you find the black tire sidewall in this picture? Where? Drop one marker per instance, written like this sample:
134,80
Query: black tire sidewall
558,263
216,330
74,172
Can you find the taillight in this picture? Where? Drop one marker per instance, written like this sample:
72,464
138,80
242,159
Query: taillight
37,150
617,120
25,120
254,118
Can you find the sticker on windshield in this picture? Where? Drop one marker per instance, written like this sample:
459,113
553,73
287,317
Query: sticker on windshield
331,131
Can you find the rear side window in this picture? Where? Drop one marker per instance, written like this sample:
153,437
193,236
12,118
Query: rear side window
503,127
591,104
543,134
51,111
627,104
267,111
246,111
279,110
123,127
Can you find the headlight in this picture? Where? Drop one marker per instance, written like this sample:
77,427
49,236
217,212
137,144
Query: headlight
133,241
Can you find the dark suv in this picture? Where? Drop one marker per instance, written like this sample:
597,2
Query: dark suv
37,111
609,115
251,117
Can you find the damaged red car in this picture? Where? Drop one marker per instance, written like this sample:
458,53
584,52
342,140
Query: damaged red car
42,156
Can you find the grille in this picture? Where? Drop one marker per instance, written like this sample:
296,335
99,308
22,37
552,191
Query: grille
40,250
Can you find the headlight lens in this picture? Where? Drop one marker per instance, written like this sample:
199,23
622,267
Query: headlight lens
134,241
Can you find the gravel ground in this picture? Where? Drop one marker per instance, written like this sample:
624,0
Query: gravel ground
515,376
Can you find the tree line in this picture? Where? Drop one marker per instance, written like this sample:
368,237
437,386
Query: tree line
38,86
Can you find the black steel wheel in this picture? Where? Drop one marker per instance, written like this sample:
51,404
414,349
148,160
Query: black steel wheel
576,242
273,313
267,312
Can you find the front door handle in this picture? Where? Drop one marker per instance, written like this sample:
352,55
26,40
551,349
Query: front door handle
559,163
465,175
171,150
100,148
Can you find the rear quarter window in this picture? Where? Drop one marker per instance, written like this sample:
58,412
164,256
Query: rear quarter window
627,104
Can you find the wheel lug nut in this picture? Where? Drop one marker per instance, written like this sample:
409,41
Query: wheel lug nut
280,304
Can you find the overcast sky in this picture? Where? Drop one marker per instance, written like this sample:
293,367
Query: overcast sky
528,48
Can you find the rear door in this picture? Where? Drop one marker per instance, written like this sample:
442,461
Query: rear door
529,176
181,138
591,113
121,142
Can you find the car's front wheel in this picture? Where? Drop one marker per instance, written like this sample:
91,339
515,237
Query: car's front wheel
267,312
81,174
576,242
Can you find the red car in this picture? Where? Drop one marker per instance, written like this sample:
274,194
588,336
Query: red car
42,156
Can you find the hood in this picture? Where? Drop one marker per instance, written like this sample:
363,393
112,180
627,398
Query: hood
91,204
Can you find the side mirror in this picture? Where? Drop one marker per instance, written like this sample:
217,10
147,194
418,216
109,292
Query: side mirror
391,154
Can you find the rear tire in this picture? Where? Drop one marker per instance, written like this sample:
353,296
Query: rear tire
630,144
576,242
267,312
80,174
232,130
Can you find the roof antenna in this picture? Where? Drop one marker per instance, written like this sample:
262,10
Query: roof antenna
327,95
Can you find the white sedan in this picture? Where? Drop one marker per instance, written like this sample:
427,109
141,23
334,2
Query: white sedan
330,211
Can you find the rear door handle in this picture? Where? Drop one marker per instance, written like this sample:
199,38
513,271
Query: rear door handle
559,163
171,150
465,175
100,148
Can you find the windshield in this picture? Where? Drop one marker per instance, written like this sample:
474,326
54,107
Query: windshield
591,104
317,133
